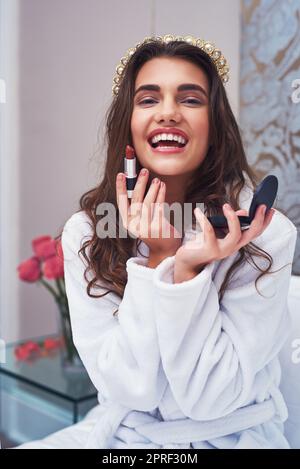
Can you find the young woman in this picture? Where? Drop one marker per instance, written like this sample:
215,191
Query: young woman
181,334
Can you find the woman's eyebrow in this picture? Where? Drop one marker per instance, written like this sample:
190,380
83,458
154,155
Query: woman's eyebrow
183,87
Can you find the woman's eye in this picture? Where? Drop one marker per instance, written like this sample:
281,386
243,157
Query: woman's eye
190,100
146,101
193,101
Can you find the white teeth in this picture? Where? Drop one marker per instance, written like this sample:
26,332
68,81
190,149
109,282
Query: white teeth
169,137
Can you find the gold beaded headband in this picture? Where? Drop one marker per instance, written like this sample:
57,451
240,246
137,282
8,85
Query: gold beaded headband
208,47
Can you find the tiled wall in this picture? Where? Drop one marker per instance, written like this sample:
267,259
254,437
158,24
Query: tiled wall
269,113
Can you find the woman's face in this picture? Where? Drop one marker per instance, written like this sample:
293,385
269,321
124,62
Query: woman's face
187,110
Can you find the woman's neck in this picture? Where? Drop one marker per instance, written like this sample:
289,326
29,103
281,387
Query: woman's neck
175,187
175,192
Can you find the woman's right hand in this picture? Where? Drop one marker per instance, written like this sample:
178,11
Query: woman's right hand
144,217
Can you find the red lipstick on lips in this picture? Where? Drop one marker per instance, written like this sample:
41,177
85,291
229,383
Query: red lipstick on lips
130,170
168,148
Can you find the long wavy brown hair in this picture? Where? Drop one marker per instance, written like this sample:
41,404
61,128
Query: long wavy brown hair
225,166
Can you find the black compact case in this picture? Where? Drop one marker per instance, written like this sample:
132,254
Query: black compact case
265,194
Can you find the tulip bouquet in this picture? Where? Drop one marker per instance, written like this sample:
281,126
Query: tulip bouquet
48,263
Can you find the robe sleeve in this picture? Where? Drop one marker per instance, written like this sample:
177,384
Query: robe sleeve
121,354
212,352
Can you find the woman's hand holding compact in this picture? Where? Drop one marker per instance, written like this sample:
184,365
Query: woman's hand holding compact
144,217
205,248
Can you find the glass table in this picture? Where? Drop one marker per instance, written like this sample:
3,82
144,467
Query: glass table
40,396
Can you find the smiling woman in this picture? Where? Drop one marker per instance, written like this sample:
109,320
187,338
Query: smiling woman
187,361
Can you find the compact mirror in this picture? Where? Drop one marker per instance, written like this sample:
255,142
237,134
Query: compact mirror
265,194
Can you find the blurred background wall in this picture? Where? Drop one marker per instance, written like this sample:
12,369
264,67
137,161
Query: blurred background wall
269,114
58,59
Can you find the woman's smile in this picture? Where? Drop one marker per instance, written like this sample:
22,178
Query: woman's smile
166,148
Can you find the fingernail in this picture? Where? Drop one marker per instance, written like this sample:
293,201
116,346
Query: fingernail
227,207
144,171
120,177
155,181
264,209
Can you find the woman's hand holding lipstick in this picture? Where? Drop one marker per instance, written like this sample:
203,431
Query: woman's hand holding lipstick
144,217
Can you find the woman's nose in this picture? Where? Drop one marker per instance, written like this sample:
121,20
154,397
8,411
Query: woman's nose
168,111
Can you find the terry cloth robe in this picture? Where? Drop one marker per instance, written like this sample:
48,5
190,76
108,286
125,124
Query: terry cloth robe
175,368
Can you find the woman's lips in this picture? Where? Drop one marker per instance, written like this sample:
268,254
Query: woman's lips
168,150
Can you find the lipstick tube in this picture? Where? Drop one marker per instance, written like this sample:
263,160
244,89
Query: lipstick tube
130,170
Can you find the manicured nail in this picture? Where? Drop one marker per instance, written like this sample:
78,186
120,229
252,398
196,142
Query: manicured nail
144,171
155,181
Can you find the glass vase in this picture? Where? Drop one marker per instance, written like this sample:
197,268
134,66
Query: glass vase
71,361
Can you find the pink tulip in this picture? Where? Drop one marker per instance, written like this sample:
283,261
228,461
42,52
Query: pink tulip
44,247
21,353
30,270
25,351
59,250
32,346
51,344
53,268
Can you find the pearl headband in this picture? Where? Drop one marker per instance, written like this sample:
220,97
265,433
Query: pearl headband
208,47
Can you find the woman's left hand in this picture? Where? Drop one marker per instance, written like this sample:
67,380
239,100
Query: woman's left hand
206,247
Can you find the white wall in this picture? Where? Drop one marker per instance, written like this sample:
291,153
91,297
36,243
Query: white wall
217,21
68,53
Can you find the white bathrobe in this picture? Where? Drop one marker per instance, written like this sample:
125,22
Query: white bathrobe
175,368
